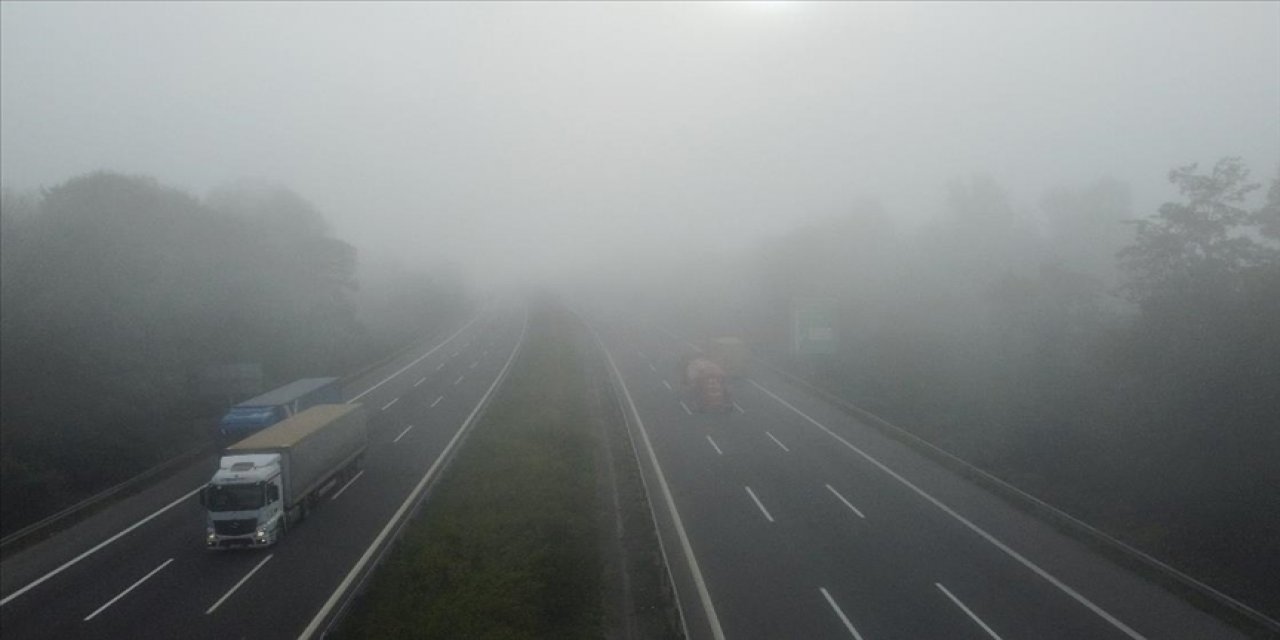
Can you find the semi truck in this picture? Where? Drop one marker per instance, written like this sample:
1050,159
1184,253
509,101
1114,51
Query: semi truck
269,481
705,384
731,354
258,413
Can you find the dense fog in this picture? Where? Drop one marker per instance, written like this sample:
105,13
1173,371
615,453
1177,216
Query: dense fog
1047,236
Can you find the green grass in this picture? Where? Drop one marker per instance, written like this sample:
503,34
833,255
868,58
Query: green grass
506,546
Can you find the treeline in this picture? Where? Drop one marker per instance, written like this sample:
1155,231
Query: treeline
1125,368
119,293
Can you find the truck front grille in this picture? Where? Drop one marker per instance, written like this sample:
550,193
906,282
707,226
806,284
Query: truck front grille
234,527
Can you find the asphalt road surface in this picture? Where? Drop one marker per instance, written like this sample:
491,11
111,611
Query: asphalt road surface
787,518
783,519
140,570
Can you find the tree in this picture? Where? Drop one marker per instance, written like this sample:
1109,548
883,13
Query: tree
1200,245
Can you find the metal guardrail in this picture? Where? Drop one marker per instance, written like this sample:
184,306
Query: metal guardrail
616,394
70,514
332,621
1198,593
52,522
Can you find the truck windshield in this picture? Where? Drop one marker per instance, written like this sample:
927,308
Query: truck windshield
235,497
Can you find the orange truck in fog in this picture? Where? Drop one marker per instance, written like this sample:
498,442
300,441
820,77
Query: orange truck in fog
705,381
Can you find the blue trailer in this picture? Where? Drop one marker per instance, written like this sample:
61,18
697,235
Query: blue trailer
256,414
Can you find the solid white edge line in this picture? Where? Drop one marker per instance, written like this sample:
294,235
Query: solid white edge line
388,405
433,404
713,444
703,595
349,483
420,381
967,611
97,547
243,580
685,407
846,502
972,527
126,591
759,504
843,618
419,359
329,604
777,442
406,430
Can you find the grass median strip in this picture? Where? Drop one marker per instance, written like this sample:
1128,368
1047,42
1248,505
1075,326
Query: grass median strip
507,545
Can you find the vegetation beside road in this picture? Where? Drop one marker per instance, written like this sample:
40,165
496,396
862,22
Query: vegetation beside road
507,545
117,293
1123,368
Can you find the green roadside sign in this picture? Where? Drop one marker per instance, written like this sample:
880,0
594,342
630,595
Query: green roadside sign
813,327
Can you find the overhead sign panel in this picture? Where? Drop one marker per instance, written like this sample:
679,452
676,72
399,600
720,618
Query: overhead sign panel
813,327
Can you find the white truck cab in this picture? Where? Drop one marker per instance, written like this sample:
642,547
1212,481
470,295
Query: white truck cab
244,503
271,480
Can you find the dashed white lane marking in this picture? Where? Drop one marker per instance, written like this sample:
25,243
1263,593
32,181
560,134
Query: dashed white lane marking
433,404
473,364
126,591
759,504
843,618
98,546
413,497
704,595
349,483
738,408
415,362
667,385
846,502
238,584
388,405
420,381
406,430
685,407
777,442
967,611
652,368
440,366
455,382
714,445
1075,595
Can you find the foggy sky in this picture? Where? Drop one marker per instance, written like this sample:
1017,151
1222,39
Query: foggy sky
528,139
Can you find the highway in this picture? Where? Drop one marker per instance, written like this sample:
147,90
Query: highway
139,569
783,519
787,518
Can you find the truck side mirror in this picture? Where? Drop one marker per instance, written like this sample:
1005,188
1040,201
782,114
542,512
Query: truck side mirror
273,493
204,501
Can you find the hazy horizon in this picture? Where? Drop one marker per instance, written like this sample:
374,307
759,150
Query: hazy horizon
539,140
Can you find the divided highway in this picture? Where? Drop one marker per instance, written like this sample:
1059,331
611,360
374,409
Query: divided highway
783,519
139,569
787,518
